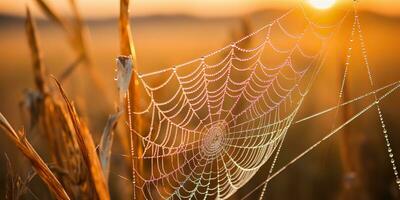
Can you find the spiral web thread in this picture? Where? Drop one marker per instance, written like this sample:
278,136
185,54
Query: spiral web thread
214,121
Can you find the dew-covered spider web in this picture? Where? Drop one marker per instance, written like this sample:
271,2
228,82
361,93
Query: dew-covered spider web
213,122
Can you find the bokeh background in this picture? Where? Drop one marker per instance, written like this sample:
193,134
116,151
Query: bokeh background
172,32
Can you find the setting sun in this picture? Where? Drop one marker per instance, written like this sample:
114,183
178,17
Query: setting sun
322,4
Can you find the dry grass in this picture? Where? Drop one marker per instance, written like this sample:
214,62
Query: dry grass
16,185
20,140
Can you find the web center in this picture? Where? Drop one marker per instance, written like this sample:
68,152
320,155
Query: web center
213,140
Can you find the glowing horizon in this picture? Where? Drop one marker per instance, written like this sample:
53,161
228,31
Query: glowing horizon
207,8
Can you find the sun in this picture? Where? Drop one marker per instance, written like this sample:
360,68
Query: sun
321,4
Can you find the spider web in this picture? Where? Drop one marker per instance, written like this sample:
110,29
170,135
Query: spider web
213,122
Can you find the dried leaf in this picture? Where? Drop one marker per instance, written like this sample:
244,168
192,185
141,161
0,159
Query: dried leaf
107,141
88,150
38,68
52,14
79,31
68,71
124,73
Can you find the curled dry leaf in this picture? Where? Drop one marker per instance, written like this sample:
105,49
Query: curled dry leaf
123,78
106,143
88,150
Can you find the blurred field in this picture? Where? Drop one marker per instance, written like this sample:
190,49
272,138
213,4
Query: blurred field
168,40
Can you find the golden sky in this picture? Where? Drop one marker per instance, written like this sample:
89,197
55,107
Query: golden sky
109,8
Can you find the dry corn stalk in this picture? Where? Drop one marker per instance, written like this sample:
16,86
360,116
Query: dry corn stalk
55,123
127,49
126,42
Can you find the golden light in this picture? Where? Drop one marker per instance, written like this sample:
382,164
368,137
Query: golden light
321,4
